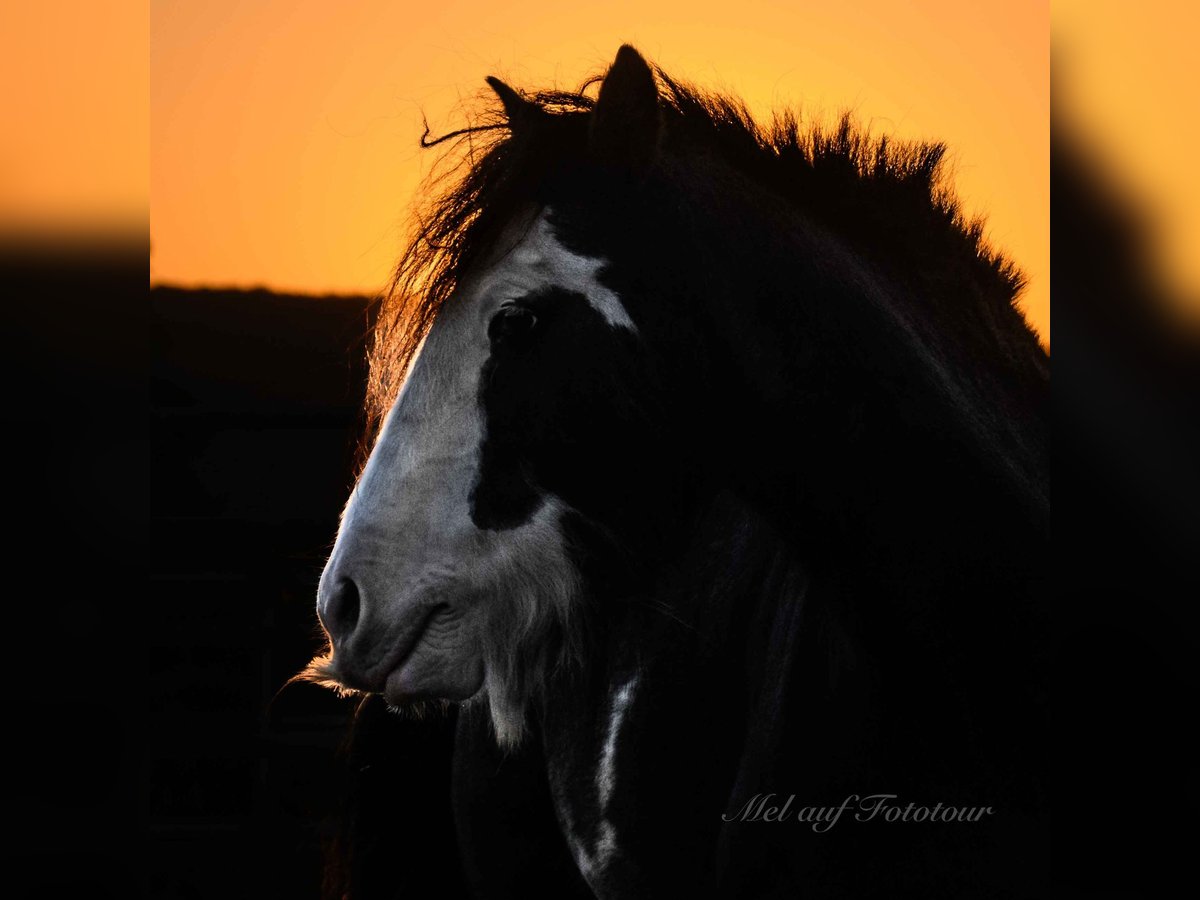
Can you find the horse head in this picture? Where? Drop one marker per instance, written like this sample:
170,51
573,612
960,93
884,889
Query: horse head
516,450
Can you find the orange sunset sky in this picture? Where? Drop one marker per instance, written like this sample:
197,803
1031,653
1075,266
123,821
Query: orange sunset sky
283,147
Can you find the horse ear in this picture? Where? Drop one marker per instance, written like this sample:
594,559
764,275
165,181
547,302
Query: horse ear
626,121
516,107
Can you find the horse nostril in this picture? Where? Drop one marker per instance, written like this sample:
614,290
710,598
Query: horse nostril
339,612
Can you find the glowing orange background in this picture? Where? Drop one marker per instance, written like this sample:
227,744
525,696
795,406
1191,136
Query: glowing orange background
74,135
284,134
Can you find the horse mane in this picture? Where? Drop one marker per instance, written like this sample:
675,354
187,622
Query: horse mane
892,199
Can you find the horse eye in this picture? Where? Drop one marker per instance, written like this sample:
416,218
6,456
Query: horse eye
512,323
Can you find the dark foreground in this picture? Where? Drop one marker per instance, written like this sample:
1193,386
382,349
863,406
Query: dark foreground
255,402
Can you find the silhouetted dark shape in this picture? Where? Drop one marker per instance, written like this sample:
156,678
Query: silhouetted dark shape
803,457
1127,449
255,409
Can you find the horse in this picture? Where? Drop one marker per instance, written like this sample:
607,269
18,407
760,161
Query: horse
708,486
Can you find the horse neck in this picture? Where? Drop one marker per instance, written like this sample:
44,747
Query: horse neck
655,729
832,382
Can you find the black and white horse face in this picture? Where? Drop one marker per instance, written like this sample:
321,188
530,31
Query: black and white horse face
452,570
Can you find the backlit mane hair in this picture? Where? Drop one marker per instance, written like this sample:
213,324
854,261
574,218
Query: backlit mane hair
892,199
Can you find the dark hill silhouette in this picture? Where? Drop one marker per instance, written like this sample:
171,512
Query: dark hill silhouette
257,351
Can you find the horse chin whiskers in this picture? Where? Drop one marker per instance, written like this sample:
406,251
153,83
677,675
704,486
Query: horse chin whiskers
323,672
419,710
